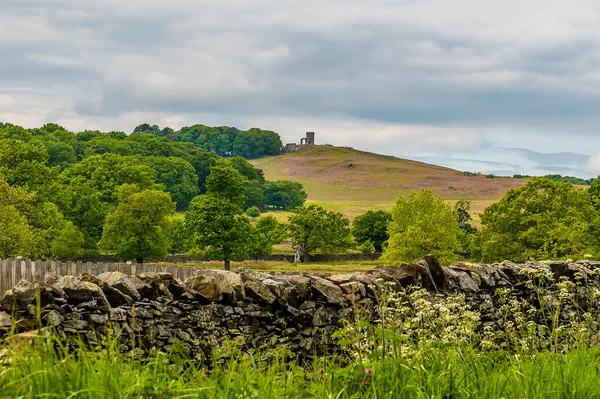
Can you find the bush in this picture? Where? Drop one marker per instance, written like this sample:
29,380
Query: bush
253,212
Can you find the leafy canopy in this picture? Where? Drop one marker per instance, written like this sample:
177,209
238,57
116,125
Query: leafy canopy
422,224
138,227
217,219
544,219
372,226
313,228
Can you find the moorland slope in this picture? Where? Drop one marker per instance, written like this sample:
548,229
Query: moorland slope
353,181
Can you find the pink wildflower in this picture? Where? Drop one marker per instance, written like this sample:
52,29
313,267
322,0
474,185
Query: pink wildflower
368,371
320,375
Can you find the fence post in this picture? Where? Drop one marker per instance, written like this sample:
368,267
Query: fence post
19,266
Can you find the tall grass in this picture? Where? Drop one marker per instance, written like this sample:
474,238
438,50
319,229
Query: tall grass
48,370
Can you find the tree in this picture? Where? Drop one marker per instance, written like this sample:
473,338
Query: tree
137,228
422,224
467,231
541,220
217,217
313,228
284,194
372,226
220,226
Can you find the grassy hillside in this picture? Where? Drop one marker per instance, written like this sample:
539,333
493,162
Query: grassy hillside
352,182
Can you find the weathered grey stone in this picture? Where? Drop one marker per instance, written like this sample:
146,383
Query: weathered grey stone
53,318
354,287
325,290
163,281
98,318
342,278
75,324
297,288
5,320
206,285
233,280
128,285
81,291
255,289
460,279
114,296
435,269
117,314
276,287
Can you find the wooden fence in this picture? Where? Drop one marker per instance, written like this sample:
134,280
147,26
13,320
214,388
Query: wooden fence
14,270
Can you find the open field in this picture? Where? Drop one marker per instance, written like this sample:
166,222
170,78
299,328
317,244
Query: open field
278,267
352,182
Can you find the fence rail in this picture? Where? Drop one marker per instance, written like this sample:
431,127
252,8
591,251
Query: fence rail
14,270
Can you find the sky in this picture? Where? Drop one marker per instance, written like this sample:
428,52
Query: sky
489,86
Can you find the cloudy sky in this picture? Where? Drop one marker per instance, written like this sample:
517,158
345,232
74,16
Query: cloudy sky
510,86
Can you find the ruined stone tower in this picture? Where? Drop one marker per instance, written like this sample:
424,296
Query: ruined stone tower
309,140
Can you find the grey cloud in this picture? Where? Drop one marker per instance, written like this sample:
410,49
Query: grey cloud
466,65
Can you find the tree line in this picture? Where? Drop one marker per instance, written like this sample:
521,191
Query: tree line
223,140
66,194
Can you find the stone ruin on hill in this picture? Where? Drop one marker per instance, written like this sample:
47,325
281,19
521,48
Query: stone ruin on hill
260,312
308,140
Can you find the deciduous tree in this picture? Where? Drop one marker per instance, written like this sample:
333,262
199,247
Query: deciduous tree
137,228
372,226
313,228
422,224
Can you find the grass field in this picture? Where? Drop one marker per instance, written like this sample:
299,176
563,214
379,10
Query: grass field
352,182
278,267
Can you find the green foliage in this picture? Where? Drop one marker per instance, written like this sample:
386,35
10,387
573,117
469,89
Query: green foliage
220,227
40,230
17,237
253,212
367,247
256,143
565,179
178,176
255,196
180,241
594,194
422,224
372,226
25,165
284,194
541,220
463,218
89,188
137,228
313,228
217,217
266,233
225,182
55,236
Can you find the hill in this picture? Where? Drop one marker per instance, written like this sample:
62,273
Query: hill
352,181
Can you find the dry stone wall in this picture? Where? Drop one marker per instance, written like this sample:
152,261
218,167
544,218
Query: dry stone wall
258,313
